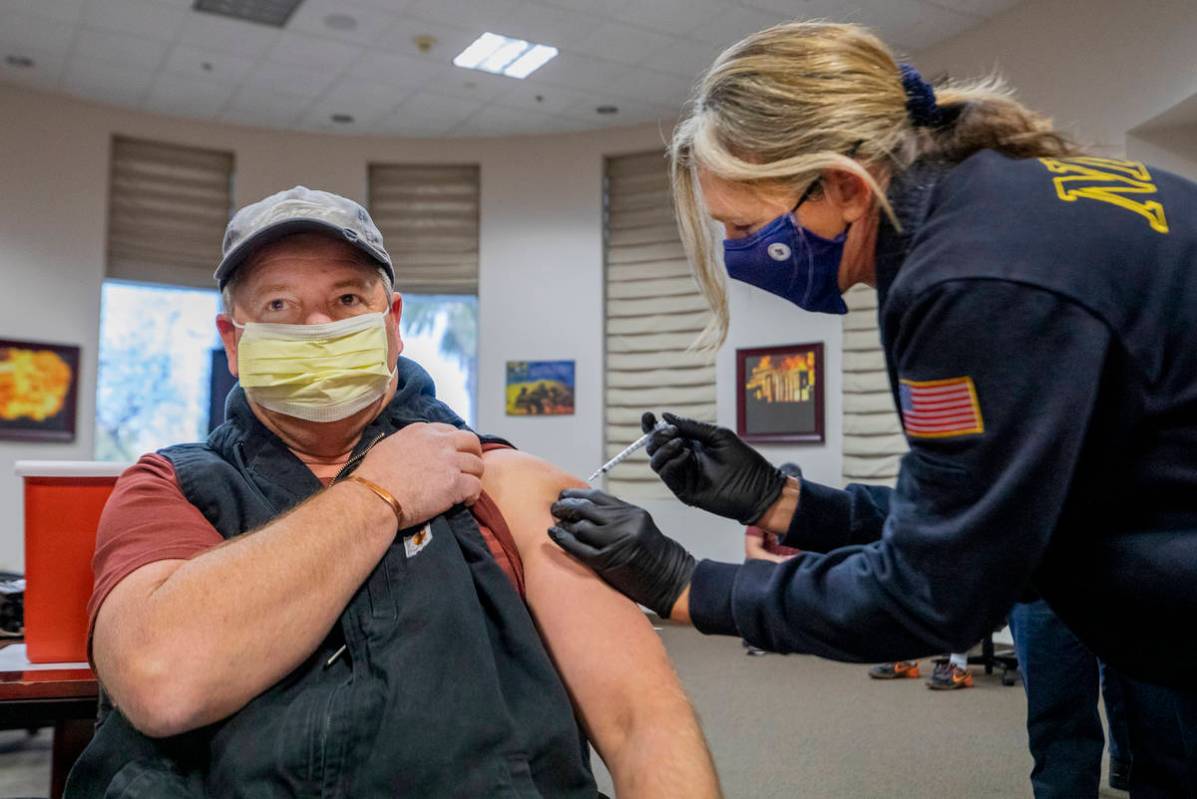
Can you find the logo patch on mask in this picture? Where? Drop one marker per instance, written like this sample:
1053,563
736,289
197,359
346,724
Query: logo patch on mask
940,408
414,544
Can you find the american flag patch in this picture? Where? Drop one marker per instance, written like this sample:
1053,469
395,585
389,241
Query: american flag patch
940,408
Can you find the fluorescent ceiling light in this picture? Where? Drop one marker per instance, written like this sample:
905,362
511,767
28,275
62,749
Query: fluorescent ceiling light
530,61
501,55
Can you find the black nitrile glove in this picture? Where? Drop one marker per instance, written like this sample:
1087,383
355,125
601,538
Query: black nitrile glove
709,467
623,545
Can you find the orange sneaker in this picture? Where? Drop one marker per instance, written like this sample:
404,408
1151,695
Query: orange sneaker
948,677
895,671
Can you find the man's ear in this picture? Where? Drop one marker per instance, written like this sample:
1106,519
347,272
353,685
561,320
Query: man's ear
396,316
228,337
848,192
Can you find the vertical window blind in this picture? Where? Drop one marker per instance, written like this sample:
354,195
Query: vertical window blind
428,216
167,210
653,312
873,438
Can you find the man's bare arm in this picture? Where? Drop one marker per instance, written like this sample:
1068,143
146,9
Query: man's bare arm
180,644
614,665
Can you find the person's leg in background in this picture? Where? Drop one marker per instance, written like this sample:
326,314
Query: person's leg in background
1118,739
1061,680
1163,737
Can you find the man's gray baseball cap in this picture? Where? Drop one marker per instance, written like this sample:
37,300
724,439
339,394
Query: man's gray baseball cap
298,210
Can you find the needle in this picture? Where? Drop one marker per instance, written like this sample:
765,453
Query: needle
638,444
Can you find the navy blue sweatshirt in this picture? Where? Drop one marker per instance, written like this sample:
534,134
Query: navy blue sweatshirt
1039,321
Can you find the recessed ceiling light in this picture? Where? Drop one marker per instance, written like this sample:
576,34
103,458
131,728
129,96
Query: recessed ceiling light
274,13
607,109
19,61
340,22
502,55
342,119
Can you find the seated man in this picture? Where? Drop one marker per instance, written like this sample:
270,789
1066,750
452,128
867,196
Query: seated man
331,596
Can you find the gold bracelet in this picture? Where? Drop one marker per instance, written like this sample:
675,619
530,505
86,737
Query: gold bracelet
382,494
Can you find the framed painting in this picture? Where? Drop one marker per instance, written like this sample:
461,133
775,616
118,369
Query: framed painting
779,395
540,388
39,387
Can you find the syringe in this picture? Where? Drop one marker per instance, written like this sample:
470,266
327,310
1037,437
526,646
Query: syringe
639,443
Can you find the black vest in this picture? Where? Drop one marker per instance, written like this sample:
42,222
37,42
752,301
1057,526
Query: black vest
443,688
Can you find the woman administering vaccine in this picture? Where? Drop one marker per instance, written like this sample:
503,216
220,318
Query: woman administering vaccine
1038,312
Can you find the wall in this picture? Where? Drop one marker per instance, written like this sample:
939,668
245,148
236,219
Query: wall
1100,67
541,280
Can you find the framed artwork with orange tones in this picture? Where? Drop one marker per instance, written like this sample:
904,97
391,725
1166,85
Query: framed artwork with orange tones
780,394
39,385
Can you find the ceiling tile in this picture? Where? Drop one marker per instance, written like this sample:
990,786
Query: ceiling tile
397,69
366,107
450,41
290,79
120,48
654,87
618,42
60,10
982,8
499,121
469,84
313,52
900,23
542,97
182,95
566,125
227,35
277,104
686,58
26,32
481,15
581,72
186,59
548,25
411,125
789,9
733,25
608,8
432,107
630,111
359,92
135,17
258,117
373,21
678,17
44,74
106,82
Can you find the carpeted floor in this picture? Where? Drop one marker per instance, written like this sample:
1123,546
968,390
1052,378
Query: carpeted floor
792,726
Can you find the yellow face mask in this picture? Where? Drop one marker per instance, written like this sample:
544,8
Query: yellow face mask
321,373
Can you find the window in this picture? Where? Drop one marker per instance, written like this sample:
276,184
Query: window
873,439
167,209
654,311
440,332
428,215
155,373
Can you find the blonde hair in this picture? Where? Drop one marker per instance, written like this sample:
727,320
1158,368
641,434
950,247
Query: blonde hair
781,106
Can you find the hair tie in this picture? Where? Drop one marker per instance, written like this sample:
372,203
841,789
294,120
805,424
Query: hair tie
920,100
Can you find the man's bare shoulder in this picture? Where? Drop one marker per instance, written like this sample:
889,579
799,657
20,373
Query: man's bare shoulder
513,478
523,486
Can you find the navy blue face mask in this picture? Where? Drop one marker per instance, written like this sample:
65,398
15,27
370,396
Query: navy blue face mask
791,262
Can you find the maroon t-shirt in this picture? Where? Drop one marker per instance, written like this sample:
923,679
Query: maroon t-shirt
147,519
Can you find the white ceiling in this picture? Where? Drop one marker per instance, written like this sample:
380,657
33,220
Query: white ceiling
638,55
